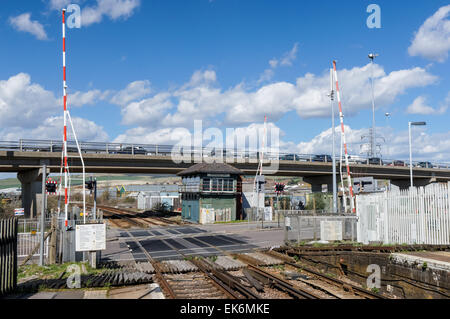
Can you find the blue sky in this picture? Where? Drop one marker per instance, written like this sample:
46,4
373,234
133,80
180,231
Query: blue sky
138,70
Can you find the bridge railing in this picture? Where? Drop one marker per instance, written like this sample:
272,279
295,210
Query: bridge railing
228,155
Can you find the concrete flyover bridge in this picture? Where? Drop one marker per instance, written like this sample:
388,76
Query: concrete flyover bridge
26,157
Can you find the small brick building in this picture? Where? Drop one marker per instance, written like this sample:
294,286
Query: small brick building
211,192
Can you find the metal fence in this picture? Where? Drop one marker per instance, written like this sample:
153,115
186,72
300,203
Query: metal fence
26,242
300,225
8,255
420,215
229,155
32,225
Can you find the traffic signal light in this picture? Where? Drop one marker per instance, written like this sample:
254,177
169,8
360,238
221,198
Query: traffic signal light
279,187
91,185
50,186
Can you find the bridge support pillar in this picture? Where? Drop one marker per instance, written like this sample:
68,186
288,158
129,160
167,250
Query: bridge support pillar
406,183
31,191
317,182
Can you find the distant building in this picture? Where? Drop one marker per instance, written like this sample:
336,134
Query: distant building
148,200
211,192
10,194
367,185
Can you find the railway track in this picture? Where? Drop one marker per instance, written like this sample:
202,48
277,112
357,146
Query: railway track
333,287
254,281
124,218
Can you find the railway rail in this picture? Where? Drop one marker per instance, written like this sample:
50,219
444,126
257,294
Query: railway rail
268,278
124,218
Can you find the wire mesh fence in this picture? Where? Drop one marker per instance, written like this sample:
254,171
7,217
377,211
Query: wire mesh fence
300,226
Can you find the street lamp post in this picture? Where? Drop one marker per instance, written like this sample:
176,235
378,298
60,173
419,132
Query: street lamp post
410,148
387,139
373,133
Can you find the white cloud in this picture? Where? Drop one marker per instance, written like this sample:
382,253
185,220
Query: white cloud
114,9
23,103
433,147
147,112
59,4
52,128
432,40
290,56
201,98
27,110
23,23
419,106
142,135
286,60
312,99
134,91
322,143
86,98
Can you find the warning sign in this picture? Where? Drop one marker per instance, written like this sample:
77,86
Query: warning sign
90,237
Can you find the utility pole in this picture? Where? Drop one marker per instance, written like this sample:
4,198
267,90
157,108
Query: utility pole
43,209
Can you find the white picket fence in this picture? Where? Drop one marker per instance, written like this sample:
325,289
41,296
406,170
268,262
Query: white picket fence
419,215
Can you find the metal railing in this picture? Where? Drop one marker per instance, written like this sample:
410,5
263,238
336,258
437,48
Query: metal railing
26,243
419,215
8,255
302,226
228,155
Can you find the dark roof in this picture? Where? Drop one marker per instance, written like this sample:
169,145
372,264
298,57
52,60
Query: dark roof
216,168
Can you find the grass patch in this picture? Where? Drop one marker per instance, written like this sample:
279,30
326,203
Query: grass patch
53,271
278,267
212,258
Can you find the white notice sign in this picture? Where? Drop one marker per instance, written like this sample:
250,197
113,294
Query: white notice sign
330,230
90,237
19,211
268,213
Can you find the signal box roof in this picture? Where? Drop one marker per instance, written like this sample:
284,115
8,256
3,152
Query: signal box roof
213,168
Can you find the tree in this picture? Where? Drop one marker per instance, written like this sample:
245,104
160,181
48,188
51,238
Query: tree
320,202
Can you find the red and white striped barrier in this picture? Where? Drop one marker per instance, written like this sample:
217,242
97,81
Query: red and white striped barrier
341,117
65,118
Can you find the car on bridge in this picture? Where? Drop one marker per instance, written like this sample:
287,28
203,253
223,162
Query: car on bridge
425,165
354,159
136,150
375,161
290,157
322,158
397,163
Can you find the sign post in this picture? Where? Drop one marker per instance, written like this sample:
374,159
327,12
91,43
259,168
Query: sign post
90,238
43,209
